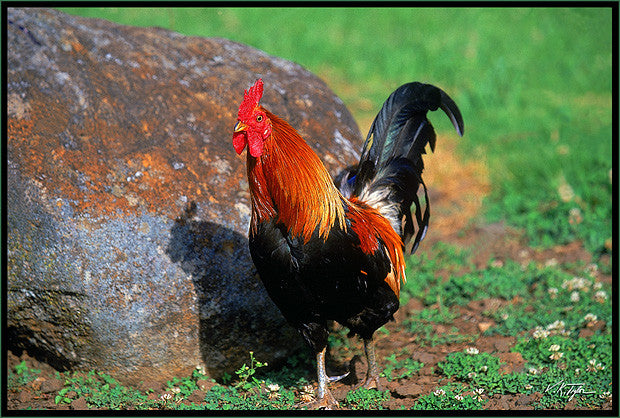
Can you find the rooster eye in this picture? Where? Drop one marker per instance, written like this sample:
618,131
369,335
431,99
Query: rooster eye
259,118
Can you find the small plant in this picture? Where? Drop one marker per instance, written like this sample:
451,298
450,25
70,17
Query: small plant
407,366
246,374
22,375
366,399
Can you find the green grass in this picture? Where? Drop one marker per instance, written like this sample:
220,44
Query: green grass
534,86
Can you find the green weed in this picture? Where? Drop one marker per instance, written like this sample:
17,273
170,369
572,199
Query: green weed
422,270
481,370
249,393
246,374
407,367
449,397
366,399
101,390
21,375
257,398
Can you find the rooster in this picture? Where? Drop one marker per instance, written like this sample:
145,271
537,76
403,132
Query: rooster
334,250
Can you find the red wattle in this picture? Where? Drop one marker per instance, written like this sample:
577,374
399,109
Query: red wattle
239,141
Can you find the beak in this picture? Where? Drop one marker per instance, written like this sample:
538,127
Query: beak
240,126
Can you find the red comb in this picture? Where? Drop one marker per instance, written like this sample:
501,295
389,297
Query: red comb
251,98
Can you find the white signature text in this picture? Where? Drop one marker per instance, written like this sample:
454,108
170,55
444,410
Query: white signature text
562,388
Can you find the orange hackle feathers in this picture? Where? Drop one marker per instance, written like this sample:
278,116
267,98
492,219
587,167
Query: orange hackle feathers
292,183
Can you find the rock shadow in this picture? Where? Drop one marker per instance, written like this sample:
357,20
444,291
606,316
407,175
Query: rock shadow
236,314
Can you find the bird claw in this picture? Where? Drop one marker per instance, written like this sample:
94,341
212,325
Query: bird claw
327,402
370,383
332,379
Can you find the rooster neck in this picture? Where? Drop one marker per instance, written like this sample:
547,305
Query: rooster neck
290,183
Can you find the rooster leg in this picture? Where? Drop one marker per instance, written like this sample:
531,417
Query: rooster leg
372,377
325,398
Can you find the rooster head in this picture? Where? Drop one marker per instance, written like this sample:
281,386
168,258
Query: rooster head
253,126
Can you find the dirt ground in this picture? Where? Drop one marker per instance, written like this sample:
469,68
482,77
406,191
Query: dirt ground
456,190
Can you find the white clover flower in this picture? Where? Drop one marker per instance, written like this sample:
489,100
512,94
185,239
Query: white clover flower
175,390
553,292
528,387
575,216
577,370
590,317
472,351
594,366
484,368
497,263
576,283
274,387
554,347
600,296
533,370
565,191
592,269
552,262
540,333
556,325
471,375
439,392
166,396
556,356
458,397
597,286
479,391
574,297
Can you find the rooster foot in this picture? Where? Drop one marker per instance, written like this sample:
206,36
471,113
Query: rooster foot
371,382
372,376
326,402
